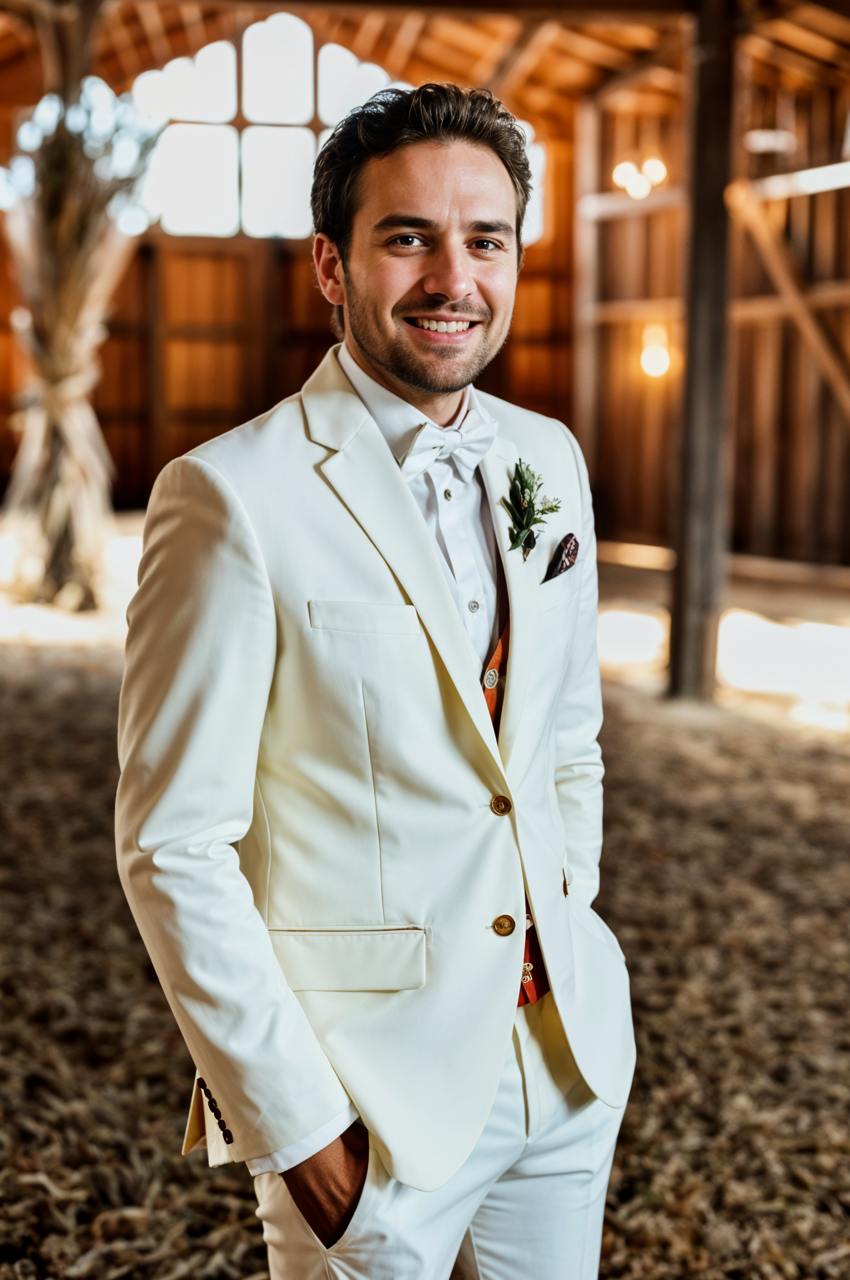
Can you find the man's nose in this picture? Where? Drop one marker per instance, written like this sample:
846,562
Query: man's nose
449,274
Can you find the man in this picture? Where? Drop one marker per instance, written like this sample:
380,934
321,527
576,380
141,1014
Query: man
359,815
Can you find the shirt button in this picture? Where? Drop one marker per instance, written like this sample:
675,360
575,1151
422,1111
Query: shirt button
491,678
473,606
447,493
501,805
504,925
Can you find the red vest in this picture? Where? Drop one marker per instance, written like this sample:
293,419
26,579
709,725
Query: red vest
534,983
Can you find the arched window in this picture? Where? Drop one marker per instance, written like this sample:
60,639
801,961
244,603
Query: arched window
244,130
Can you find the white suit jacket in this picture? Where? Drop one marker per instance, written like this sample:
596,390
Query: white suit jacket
303,819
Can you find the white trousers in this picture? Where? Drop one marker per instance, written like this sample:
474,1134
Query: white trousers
527,1204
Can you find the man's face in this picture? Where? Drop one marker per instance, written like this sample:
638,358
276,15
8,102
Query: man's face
433,240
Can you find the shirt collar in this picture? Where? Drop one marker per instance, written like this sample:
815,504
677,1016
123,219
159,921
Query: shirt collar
398,420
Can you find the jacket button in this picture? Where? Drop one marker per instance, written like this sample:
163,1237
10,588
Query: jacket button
202,1085
216,1111
501,805
227,1135
222,1125
504,925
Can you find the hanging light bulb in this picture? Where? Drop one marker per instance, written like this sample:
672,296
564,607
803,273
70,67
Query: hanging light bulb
623,173
655,356
655,169
638,186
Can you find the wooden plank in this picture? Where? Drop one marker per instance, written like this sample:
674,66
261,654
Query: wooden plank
586,285
784,275
700,539
767,359
520,60
599,206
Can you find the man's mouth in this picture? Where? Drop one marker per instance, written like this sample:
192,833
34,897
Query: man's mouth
440,326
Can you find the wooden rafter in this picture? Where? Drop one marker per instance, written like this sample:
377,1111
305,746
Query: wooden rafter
154,28
403,43
520,60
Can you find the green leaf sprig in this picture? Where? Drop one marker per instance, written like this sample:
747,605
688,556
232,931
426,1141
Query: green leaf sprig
525,509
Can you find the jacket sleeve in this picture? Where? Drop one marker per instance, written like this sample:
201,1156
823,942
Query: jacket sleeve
578,757
199,661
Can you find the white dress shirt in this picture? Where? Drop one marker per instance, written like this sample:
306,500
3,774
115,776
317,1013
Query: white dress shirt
457,513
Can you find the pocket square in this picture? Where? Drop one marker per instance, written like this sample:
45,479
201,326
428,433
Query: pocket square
564,557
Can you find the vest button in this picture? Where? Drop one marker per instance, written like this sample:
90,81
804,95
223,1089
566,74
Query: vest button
491,678
501,805
504,925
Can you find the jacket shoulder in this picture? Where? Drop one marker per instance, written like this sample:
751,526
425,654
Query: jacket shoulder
530,430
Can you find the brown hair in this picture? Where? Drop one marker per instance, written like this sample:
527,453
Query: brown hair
394,118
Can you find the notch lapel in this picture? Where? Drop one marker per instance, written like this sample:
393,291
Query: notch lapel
365,475
497,468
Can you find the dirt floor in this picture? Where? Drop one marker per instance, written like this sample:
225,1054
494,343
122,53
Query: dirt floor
725,874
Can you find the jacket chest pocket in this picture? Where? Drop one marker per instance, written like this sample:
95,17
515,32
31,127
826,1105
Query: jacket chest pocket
364,618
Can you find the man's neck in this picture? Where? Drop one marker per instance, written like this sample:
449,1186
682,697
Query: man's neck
439,407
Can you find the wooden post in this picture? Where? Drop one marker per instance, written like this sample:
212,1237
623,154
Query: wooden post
586,283
700,530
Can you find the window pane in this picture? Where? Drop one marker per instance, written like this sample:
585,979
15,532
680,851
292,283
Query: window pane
193,181
277,67
344,82
199,88
532,227
277,170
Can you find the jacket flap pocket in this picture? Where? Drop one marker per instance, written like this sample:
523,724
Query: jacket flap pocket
380,959
371,617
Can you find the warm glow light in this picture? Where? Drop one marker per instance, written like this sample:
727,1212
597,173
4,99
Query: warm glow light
655,355
638,186
624,172
655,169
655,361
802,668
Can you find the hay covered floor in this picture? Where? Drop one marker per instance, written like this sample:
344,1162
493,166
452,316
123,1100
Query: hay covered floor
725,874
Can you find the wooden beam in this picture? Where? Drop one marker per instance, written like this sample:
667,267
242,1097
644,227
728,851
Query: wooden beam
803,182
151,19
403,43
586,284
577,10
828,295
646,66
798,64
598,206
700,524
779,265
523,56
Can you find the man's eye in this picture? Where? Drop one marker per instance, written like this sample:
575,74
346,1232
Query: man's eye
493,243
407,236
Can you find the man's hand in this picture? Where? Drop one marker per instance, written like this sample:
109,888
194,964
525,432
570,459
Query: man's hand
327,1187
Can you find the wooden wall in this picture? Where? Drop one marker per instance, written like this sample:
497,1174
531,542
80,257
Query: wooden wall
789,440
206,333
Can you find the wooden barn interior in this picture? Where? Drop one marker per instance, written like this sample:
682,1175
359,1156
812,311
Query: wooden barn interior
684,307
736,442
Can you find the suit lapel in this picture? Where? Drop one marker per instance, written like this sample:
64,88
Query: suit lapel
497,468
366,477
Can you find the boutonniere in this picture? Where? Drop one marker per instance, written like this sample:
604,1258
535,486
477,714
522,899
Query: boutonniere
524,507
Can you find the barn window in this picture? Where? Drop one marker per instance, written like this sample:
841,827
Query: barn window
238,151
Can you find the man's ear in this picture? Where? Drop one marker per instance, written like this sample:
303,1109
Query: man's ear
329,269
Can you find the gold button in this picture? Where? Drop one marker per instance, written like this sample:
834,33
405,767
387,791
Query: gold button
501,805
504,925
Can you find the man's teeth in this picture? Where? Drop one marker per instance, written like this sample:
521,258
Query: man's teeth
443,326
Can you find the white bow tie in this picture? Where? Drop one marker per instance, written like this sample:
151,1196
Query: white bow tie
466,444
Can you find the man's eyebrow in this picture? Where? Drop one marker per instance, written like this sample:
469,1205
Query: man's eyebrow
426,224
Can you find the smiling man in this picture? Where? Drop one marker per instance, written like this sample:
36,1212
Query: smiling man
359,817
